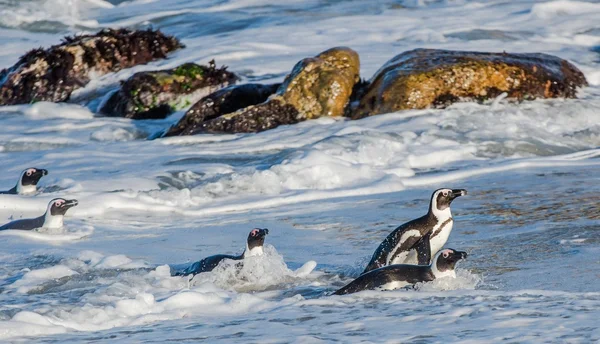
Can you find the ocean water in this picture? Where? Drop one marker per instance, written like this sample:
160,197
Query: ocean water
329,190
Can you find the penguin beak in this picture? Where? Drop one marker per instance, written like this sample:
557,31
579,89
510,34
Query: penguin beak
38,174
458,192
263,232
460,255
70,203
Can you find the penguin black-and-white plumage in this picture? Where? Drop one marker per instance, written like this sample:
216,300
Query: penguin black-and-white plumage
416,241
401,275
53,218
27,183
254,247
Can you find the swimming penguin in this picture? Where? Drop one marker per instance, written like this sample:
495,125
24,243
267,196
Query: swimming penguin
416,241
400,275
27,182
254,247
53,218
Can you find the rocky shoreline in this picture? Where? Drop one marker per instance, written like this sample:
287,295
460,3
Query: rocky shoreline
328,84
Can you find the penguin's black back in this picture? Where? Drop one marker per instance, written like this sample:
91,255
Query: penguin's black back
205,265
25,224
373,279
379,257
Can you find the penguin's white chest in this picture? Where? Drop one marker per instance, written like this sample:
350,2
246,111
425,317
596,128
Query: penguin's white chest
440,235
255,251
51,221
26,189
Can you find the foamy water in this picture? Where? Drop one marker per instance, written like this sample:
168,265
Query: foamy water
329,190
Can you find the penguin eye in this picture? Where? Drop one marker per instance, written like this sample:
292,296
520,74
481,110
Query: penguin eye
254,232
28,173
58,203
445,254
445,193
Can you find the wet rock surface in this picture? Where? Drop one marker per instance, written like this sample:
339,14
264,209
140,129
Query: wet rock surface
157,94
424,78
317,86
222,102
322,85
253,119
54,73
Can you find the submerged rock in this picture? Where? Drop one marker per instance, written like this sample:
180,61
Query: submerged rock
219,103
156,94
322,85
253,119
53,74
423,78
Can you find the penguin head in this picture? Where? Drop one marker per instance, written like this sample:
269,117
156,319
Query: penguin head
442,198
256,239
59,206
29,179
445,261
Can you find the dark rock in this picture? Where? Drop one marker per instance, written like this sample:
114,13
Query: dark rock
53,74
219,103
253,119
422,78
157,94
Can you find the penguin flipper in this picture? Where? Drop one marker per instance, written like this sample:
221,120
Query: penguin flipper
424,250
12,191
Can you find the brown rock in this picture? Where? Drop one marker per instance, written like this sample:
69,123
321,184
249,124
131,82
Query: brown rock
53,74
156,94
319,86
423,78
322,85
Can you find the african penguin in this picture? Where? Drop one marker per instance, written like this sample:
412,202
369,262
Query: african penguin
254,247
416,241
400,275
53,218
27,182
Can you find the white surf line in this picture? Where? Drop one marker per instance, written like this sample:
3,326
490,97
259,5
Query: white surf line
575,159
48,237
386,184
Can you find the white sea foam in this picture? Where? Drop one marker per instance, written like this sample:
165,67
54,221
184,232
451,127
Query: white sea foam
66,12
155,295
56,235
256,273
33,278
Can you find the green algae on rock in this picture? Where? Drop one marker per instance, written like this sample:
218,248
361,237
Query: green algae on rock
423,78
316,87
221,102
53,74
157,94
322,85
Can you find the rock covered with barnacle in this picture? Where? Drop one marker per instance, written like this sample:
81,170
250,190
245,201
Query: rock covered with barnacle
53,74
